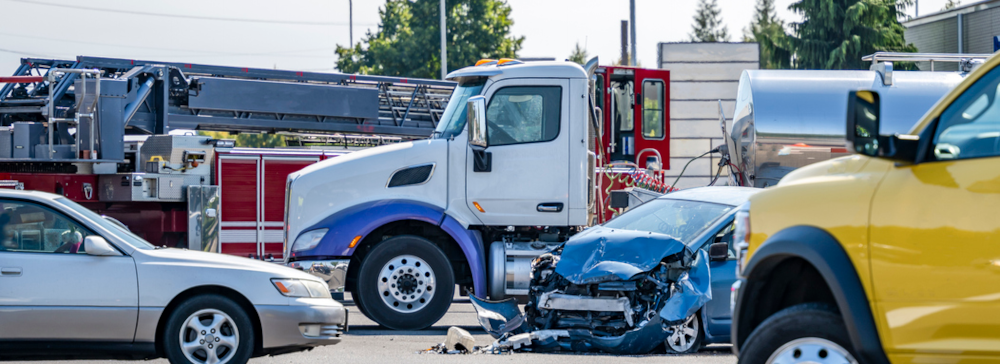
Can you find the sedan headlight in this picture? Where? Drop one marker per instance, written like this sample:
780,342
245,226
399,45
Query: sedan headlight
308,240
741,236
301,288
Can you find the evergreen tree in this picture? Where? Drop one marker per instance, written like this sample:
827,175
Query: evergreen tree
835,34
408,42
707,25
769,32
579,55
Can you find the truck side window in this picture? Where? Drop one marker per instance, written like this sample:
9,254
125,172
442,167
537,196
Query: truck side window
970,126
652,109
523,114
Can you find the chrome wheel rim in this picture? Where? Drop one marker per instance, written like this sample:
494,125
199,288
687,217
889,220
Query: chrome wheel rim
209,336
811,350
406,284
683,335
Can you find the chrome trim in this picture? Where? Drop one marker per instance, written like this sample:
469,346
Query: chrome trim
429,176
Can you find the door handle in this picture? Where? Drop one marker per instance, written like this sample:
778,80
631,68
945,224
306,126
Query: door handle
10,271
550,207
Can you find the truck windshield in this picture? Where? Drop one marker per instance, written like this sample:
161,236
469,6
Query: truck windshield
684,220
453,120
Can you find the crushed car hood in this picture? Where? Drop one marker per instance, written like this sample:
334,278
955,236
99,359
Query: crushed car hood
602,254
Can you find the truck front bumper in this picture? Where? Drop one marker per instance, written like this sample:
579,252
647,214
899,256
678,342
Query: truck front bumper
333,272
306,323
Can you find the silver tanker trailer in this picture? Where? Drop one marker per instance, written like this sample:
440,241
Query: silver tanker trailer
786,119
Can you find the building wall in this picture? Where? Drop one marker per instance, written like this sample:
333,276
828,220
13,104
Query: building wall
939,33
702,74
935,37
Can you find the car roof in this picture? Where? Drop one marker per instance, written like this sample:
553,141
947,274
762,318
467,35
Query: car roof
35,195
733,196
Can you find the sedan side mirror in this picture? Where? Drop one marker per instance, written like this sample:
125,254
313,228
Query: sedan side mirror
718,252
96,245
863,123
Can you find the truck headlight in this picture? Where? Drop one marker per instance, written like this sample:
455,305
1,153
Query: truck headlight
301,288
741,236
308,240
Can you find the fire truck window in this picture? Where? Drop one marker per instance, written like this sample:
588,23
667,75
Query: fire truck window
622,94
518,115
32,228
652,109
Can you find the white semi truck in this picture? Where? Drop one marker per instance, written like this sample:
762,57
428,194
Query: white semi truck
508,174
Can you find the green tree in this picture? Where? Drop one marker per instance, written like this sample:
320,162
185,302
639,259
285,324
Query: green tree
951,4
579,55
769,32
249,140
707,25
835,34
408,42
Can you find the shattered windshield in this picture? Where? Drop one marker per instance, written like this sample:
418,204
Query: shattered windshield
453,120
684,220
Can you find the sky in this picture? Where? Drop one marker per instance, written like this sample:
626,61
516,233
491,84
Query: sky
302,34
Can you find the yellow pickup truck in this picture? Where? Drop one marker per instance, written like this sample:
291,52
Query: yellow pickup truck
889,255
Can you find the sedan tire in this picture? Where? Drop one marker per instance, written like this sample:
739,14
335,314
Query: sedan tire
209,329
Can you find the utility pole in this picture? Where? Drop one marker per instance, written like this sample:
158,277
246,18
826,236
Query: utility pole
444,47
350,21
632,20
624,61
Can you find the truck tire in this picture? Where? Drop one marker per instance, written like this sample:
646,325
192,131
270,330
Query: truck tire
213,328
405,283
809,332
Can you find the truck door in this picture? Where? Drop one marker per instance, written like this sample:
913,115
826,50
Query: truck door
652,110
528,122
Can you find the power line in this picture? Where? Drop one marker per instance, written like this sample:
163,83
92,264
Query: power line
242,20
283,53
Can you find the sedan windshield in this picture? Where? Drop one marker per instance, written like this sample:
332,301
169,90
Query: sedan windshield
119,232
684,220
453,120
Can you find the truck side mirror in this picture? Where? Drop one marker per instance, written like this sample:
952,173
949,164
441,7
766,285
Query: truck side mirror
477,122
863,122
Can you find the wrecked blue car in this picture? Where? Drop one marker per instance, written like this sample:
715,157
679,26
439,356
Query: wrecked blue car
644,279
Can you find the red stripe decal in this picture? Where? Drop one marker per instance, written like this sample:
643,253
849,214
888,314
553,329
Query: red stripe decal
838,150
22,79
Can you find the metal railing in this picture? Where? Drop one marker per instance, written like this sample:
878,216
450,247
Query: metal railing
924,57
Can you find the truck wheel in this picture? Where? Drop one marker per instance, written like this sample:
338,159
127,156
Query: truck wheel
805,333
208,329
686,337
405,283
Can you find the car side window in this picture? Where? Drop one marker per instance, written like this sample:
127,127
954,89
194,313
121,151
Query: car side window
970,126
523,114
32,228
724,235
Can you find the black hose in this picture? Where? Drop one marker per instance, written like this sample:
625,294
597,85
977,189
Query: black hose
673,185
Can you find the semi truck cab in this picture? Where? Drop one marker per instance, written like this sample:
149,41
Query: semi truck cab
399,226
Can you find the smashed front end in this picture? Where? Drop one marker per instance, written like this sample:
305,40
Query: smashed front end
616,291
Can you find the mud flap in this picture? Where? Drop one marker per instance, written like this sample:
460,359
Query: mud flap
693,291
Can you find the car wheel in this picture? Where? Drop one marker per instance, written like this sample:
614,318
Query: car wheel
685,337
405,283
209,329
805,333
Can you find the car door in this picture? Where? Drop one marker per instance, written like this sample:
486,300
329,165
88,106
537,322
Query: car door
528,135
935,235
51,290
717,311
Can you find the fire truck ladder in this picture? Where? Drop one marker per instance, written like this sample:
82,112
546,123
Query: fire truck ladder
150,97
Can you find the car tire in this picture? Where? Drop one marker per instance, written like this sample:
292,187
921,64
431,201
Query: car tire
686,341
405,283
228,331
809,332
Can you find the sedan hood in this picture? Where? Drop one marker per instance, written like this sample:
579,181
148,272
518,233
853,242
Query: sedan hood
199,259
602,254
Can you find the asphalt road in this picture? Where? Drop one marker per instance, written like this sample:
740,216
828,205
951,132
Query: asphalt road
366,342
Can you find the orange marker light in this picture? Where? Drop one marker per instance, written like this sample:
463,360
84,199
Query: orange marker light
354,242
480,208
281,287
505,60
485,60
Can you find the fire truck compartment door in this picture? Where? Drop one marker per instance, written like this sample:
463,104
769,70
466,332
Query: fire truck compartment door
528,129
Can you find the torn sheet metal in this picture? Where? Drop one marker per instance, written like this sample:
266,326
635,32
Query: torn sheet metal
613,291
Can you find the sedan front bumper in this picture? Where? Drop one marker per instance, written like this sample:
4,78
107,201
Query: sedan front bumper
306,323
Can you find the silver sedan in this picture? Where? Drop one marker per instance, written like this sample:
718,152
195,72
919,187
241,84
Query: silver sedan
73,284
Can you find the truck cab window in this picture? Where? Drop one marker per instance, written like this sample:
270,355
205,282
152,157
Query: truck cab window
622,96
527,114
970,126
652,109
453,118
